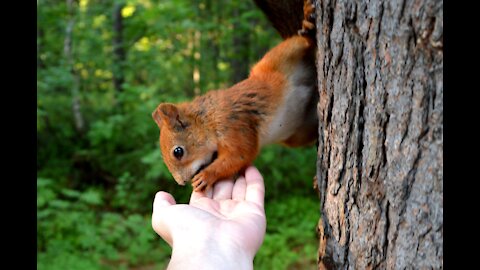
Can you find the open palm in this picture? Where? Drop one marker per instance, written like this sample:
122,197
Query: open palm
229,215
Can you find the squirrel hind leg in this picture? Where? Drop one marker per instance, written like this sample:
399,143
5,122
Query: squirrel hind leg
308,23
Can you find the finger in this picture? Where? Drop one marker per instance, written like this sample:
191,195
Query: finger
239,189
222,190
197,195
209,192
255,191
161,202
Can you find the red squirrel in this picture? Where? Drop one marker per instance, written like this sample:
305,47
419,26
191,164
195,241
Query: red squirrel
219,134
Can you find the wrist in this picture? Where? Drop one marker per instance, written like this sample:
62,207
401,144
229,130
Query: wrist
209,253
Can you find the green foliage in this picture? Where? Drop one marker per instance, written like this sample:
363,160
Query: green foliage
95,187
290,242
288,170
73,232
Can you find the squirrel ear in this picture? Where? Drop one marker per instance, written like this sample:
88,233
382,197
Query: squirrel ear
157,118
165,112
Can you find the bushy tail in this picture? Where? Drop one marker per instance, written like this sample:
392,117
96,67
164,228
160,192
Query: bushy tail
290,17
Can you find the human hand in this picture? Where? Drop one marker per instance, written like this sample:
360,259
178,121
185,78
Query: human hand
220,229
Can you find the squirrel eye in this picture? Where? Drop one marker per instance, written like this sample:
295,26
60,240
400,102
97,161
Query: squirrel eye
178,152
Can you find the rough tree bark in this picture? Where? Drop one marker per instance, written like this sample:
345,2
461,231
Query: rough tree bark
380,154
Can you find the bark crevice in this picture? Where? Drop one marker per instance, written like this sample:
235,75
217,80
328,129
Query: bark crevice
380,141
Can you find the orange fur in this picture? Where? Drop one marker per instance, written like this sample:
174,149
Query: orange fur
224,130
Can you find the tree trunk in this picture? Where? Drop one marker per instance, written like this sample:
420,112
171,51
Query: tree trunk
196,57
75,90
380,153
209,44
240,45
118,47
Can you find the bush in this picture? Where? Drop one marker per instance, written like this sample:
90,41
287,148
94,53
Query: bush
73,232
290,241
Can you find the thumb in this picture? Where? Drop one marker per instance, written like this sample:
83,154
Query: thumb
160,218
162,199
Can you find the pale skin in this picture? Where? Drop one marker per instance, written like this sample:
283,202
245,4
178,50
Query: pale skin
220,229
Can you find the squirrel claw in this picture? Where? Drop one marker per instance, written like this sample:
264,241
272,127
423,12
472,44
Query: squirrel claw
200,186
302,32
309,16
200,182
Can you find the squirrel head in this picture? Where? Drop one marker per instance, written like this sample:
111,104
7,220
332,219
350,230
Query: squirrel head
186,146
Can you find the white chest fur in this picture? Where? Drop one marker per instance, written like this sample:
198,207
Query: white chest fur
292,112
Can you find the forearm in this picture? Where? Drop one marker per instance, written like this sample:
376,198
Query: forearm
210,255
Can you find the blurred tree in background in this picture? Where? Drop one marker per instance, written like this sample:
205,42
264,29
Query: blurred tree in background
102,68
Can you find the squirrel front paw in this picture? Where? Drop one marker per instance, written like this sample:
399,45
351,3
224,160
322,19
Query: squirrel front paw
202,181
308,23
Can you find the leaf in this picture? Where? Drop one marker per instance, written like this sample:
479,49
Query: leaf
91,197
71,193
59,204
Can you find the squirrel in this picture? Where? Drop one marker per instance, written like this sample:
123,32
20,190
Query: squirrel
217,135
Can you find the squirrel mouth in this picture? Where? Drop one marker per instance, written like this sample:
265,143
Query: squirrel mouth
212,158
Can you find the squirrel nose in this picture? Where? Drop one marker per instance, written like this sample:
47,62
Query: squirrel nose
182,182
